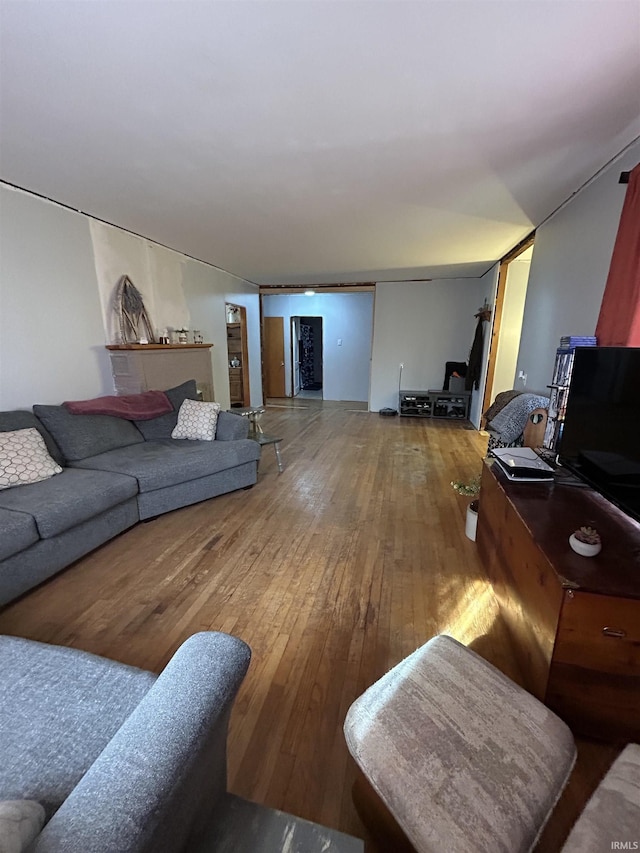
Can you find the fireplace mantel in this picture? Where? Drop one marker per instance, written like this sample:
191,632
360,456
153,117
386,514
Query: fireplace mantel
157,346
146,367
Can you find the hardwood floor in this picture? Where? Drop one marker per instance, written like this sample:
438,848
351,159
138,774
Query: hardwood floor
332,571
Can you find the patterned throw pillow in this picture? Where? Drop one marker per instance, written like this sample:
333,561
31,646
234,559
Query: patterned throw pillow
197,421
24,458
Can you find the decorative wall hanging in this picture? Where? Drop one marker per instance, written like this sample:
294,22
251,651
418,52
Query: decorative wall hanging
131,316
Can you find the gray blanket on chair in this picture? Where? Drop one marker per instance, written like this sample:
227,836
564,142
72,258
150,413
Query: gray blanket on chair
511,421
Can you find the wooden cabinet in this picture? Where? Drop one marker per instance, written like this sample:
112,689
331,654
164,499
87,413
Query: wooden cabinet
574,621
147,367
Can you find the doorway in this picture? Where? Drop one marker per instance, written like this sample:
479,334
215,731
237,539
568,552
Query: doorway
310,362
511,295
238,355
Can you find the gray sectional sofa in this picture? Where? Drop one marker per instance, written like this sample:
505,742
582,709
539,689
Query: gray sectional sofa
115,473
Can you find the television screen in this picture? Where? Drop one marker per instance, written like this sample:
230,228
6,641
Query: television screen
600,439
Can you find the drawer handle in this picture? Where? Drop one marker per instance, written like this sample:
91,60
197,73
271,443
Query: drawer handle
614,632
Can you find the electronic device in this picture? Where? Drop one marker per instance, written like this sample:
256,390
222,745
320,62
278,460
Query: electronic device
522,463
600,440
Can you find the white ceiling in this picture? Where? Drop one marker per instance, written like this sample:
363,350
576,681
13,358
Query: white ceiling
319,141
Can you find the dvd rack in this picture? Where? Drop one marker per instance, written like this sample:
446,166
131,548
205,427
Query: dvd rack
559,387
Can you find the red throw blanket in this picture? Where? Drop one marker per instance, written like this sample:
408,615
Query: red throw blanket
132,407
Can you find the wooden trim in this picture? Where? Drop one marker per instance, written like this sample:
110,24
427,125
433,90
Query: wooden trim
283,289
246,390
495,335
522,246
157,346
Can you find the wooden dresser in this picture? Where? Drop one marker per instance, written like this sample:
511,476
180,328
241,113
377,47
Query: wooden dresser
574,621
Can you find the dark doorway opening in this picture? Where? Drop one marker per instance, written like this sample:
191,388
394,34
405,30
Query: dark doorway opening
310,353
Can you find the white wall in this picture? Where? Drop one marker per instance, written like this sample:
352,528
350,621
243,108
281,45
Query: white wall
59,269
571,259
345,316
154,270
423,325
51,331
207,291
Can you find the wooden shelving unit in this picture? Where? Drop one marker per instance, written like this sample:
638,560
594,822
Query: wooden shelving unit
238,374
453,405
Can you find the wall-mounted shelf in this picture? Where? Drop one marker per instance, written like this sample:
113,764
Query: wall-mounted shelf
157,346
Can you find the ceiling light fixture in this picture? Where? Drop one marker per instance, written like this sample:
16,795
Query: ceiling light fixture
309,293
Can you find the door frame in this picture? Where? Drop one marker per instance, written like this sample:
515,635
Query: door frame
294,331
322,323
497,315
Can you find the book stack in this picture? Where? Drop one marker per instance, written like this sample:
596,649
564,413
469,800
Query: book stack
578,341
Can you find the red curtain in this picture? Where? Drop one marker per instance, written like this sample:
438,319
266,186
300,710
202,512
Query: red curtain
619,320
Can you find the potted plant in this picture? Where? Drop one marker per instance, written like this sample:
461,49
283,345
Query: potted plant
470,490
586,541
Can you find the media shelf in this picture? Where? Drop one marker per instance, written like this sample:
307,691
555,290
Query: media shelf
453,405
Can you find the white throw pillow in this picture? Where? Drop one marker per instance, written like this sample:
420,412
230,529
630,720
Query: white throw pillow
20,823
24,458
197,421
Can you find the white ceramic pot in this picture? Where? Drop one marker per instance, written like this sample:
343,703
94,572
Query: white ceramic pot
584,548
471,524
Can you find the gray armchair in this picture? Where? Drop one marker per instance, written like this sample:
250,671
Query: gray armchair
124,761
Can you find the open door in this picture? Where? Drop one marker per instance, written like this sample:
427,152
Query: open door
507,322
273,356
295,355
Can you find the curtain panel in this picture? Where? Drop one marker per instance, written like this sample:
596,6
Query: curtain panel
619,320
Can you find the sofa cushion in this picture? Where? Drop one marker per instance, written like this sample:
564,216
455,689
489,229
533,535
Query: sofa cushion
18,532
69,498
63,707
166,462
24,458
79,436
197,421
163,426
19,419
231,427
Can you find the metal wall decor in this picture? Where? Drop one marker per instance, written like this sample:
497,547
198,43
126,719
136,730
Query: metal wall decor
133,321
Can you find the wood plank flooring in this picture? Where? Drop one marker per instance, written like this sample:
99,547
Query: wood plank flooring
332,571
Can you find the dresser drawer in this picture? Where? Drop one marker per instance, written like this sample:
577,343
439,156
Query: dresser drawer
599,632
594,680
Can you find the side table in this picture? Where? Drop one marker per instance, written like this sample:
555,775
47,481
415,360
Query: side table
254,414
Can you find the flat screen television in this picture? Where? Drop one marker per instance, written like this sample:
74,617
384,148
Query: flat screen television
600,439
